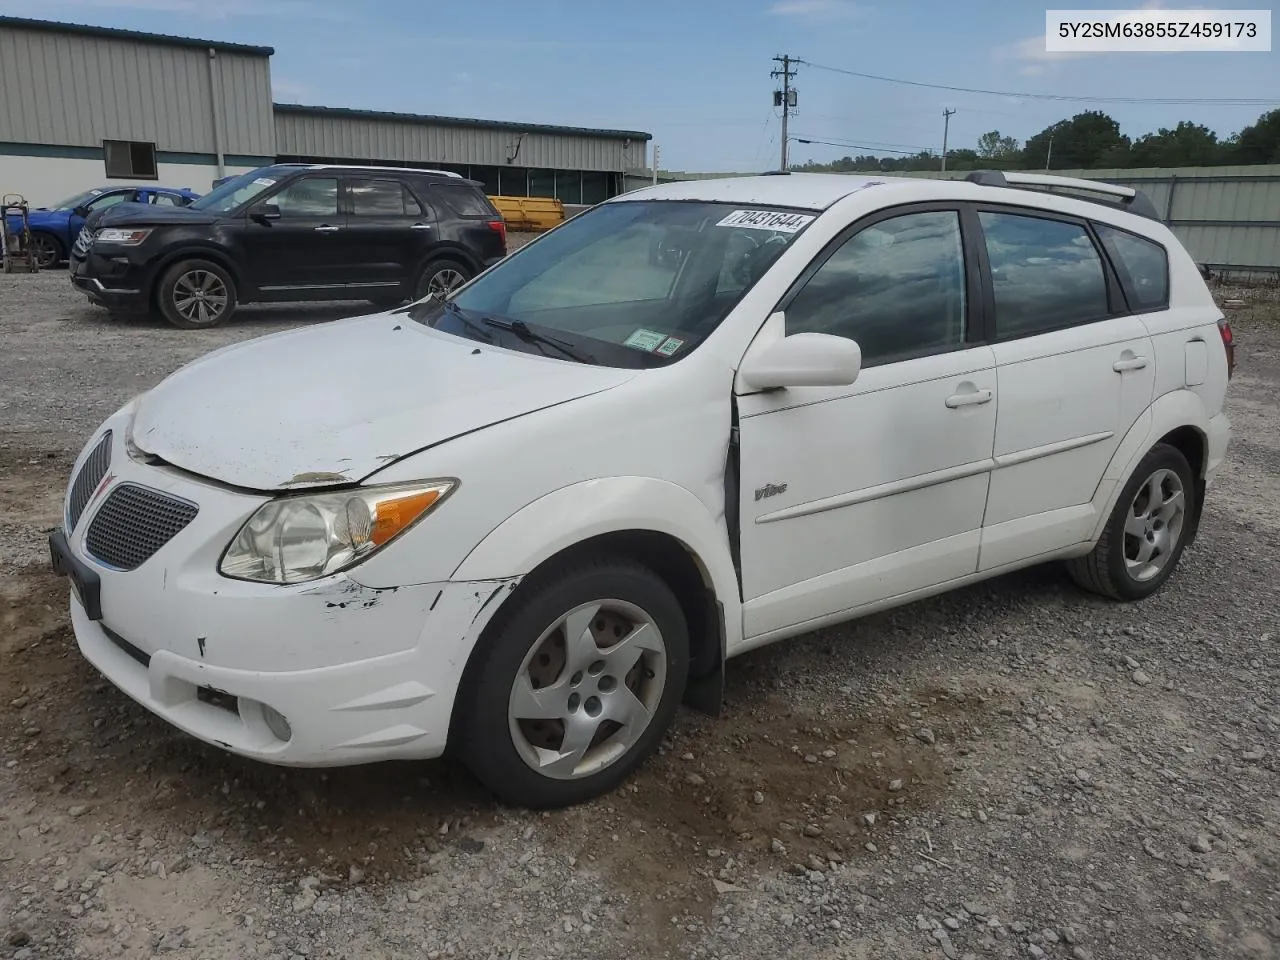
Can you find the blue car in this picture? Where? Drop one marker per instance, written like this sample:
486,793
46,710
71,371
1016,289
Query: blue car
54,229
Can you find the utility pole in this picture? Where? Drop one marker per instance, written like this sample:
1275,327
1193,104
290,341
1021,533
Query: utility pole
1049,155
785,98
946,128
657,151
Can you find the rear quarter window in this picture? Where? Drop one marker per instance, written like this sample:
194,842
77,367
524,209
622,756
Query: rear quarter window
462,200
1141,264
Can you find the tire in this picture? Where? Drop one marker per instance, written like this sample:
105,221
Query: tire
194,277
525,650
1110,569
46,250
440,276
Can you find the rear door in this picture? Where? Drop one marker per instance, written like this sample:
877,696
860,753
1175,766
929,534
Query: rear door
1075,372
389,233
305,248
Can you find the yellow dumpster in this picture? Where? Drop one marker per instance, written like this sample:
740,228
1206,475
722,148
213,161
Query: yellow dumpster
530,214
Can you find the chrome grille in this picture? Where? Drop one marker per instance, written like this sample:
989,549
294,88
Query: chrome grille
134,522
84,240
87,480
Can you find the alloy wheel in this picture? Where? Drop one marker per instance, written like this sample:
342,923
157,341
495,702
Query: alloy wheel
200,296
444,282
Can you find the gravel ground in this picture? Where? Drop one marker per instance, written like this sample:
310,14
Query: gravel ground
1011,770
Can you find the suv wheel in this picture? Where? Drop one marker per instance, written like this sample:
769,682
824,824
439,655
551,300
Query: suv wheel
1147,531
196,294
46,251
439,278
574,684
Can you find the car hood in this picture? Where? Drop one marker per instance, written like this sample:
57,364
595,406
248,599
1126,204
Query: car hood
149,214
331,404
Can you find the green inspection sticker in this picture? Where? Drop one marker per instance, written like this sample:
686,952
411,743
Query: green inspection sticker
645,340
669,347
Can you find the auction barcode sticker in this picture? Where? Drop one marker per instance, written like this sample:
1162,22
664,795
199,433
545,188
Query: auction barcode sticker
766,220
1157,30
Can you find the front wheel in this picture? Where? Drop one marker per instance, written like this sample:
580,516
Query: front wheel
1147,531
46,251
196,294
440,278
574,683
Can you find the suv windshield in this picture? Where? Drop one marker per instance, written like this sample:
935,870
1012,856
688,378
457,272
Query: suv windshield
237,191
632,283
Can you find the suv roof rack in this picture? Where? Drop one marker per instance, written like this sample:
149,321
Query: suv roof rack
1131,200
358,166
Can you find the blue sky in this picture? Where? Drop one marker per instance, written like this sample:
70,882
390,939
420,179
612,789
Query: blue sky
695,73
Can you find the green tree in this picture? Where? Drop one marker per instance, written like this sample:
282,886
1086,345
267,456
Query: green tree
1257,143
992,146
1186,145
1089,139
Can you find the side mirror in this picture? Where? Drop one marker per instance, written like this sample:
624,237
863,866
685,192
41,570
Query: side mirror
81,211
266,213
803,360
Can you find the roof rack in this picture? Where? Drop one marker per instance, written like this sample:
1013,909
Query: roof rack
360,166
1133,201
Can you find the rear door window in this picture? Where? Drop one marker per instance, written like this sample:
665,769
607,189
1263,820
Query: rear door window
1046,274
382,198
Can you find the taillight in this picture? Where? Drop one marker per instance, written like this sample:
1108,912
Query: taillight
1229,343
500,228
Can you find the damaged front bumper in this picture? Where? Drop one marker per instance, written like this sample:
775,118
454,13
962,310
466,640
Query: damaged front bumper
392,706
325,673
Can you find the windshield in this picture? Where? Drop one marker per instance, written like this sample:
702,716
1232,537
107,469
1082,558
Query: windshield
236,191
80,198
635,283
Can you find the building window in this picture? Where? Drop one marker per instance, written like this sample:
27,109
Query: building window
130,160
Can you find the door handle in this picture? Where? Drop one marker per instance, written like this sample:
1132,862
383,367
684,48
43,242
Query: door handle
968,399
327,229
421,226
1129,363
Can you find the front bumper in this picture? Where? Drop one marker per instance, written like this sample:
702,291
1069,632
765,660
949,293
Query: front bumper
109,281
360,674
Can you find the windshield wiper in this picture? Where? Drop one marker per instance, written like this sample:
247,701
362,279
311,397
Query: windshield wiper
453,308
525,332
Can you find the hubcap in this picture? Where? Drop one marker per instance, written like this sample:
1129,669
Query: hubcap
1154,526
587,689
443,283
200,296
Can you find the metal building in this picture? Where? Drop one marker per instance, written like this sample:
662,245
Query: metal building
83,106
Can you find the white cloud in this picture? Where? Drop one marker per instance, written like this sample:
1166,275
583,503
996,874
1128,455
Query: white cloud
820,10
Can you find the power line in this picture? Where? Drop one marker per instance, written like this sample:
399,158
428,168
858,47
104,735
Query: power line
1215,101
861,146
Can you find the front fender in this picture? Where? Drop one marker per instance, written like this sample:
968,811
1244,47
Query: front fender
593,508
1179,408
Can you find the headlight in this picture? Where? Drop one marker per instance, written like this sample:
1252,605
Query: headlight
299,538
127,238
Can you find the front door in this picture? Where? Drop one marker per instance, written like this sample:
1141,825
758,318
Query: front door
306,248
855,494
1075,372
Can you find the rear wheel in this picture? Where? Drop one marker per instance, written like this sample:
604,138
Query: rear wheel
439,278
196,294
1147,531
574,684
46,251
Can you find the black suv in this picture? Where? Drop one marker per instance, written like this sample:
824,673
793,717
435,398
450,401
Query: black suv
291,232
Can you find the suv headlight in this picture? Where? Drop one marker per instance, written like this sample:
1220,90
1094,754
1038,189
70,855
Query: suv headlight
299,538
126,238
